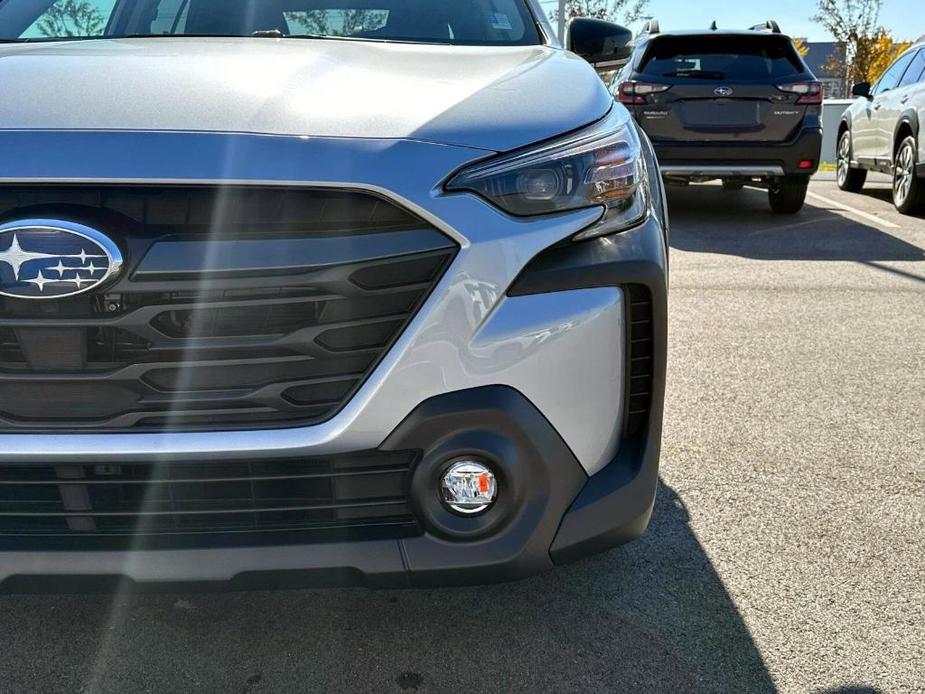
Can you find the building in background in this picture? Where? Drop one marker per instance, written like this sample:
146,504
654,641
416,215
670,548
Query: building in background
827,61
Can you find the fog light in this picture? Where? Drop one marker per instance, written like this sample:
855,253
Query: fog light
468,487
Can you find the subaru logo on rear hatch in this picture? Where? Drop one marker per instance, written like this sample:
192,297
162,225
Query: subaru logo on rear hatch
723,91
52,259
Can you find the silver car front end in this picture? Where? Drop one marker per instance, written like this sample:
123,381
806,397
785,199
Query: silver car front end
565,352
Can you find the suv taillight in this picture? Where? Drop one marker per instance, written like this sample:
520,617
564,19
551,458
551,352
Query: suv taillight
632,92
810,92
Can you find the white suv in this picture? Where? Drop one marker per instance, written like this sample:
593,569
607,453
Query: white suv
880,132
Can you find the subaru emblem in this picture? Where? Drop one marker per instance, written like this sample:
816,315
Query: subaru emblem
723,91
53,259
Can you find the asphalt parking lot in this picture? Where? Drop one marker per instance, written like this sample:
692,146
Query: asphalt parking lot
787,550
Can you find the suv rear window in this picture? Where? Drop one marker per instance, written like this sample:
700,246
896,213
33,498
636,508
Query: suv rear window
747,58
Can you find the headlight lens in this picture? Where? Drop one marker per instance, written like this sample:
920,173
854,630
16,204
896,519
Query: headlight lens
600,165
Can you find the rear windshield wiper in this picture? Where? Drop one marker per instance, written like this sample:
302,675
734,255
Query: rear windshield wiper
704,74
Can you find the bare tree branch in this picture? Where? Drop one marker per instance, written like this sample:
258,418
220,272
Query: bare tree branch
853,23
71,18
621,11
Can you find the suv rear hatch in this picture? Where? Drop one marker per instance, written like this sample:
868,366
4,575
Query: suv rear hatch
721,88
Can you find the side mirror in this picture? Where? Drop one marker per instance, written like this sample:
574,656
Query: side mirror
600,43
861,89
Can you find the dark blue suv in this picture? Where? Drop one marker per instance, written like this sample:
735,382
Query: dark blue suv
738,106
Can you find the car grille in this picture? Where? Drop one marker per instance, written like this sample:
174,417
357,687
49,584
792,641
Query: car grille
238,307
166,503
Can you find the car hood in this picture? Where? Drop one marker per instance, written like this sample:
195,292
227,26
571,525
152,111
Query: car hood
489,98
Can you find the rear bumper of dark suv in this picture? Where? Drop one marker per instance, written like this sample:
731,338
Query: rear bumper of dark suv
741,159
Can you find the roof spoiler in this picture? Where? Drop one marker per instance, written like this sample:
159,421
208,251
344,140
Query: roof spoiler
769,26
650,27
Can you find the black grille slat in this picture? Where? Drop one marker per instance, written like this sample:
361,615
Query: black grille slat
10,352
185,511
640,359
139,500
234,207
256,350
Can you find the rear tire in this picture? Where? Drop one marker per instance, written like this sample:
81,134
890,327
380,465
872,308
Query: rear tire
908,189
848,179
788,195
733,185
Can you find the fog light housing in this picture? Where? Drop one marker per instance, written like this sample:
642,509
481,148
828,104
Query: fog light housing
468,487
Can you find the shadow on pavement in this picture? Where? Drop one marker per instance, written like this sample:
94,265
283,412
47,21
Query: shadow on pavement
652,616
885,193
707,219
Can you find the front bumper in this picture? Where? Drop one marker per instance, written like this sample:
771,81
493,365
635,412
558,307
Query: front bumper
741,159
523,352
541,480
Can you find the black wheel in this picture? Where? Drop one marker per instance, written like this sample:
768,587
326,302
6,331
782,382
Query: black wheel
733,185
851,180
908,189
787,195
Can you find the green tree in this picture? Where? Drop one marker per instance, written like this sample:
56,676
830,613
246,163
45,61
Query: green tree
72,18
879,52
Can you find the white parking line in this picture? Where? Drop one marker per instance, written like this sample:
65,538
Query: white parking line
856,212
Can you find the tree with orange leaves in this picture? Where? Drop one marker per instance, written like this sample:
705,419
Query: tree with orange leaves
879,52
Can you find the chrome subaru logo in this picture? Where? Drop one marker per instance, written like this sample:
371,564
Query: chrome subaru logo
723,91
51,259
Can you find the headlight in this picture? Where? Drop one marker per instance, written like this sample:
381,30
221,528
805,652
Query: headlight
599,165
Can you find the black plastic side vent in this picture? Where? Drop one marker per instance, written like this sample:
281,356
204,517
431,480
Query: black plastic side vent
641,355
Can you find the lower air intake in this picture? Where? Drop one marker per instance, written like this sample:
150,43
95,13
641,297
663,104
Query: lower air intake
162,503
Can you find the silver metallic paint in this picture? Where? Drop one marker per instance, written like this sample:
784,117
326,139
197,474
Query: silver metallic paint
495,98
558,335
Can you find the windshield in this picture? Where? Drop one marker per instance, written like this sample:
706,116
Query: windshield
752,57
473,22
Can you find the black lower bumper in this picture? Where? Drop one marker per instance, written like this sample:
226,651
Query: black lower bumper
548,510
542,487
806,146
